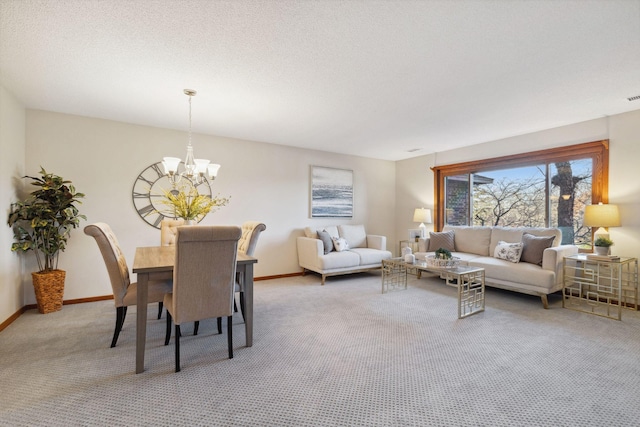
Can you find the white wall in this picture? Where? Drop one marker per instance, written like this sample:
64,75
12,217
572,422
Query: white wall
414,189
12,147
266,182
623,130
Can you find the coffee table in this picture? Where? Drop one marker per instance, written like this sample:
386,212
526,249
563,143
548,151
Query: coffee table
468,280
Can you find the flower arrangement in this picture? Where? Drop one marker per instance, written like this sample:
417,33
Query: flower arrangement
191,205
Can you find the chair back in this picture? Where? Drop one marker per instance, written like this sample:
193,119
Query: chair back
250,232
204,272
113,259
169,230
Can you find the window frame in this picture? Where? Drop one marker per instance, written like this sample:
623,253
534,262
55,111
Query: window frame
598,151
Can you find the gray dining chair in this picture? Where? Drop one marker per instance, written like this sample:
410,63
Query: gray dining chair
203,279
247,245
124,292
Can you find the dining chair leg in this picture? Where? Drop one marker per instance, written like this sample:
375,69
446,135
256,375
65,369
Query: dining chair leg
235,306
219,325
230,336
120,313
167,335
160,305
196,325
177,338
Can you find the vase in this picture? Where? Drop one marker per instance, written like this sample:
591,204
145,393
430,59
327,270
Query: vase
49,290
601,250
190,222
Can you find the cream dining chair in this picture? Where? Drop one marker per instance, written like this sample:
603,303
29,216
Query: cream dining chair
203,279
124,292
168,232
247,245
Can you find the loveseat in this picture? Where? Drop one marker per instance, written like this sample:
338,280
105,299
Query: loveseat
341,249
526,260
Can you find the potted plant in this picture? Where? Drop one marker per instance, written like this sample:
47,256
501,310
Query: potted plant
42,223
602,245
442,253
191,205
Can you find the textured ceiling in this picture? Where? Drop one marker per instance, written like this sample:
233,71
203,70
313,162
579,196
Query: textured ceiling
369,78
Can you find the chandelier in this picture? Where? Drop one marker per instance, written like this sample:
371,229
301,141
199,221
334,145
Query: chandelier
196,171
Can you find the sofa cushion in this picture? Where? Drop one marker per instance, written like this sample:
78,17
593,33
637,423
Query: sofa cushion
533,248
333,260
355,235
505,271
445,240
508,251
371,256
473,240
326,241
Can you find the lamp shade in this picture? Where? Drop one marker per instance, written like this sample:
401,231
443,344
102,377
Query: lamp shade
422,215
601,215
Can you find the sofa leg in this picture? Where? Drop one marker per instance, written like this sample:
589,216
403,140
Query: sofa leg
545,302
322,282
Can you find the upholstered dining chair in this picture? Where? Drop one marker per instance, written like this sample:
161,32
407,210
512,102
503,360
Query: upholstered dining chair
203,279
247,245
124,292
168,232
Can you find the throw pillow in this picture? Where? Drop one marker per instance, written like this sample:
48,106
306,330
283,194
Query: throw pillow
340,244
533,247
326,241
441,240
508,251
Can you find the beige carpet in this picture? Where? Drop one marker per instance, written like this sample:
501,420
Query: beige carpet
342,354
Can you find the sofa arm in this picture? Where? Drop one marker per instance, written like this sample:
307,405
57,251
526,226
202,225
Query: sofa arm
552,259
376,242
309,250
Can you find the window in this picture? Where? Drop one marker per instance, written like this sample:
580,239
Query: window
548,188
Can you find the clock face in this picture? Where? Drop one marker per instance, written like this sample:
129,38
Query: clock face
149,188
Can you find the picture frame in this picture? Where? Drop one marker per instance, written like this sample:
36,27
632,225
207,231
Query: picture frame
331,192
415,234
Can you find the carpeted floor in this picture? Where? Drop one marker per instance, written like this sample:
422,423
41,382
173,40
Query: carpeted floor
342,354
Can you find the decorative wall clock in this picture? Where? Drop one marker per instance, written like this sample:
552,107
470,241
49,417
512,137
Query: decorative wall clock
148,191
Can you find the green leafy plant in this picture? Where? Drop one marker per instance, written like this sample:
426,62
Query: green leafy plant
603,241
442,253
43,221
191,205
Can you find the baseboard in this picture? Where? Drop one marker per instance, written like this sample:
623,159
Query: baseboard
18,313
277,276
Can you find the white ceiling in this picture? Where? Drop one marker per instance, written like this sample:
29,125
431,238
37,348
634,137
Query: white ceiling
369,78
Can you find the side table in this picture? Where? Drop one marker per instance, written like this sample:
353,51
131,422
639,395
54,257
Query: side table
410,243
600,286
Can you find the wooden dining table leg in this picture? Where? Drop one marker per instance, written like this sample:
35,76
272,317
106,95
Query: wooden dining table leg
141,320
248,301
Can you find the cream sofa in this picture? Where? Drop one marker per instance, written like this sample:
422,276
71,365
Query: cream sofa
475,246
365,251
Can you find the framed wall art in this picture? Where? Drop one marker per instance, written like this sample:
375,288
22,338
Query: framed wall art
331,192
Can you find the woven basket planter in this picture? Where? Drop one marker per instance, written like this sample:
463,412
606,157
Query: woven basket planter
49,289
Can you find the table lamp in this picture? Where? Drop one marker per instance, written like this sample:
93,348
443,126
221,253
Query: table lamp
601,216
422,215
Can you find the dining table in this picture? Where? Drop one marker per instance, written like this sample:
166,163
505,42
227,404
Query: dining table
156,263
